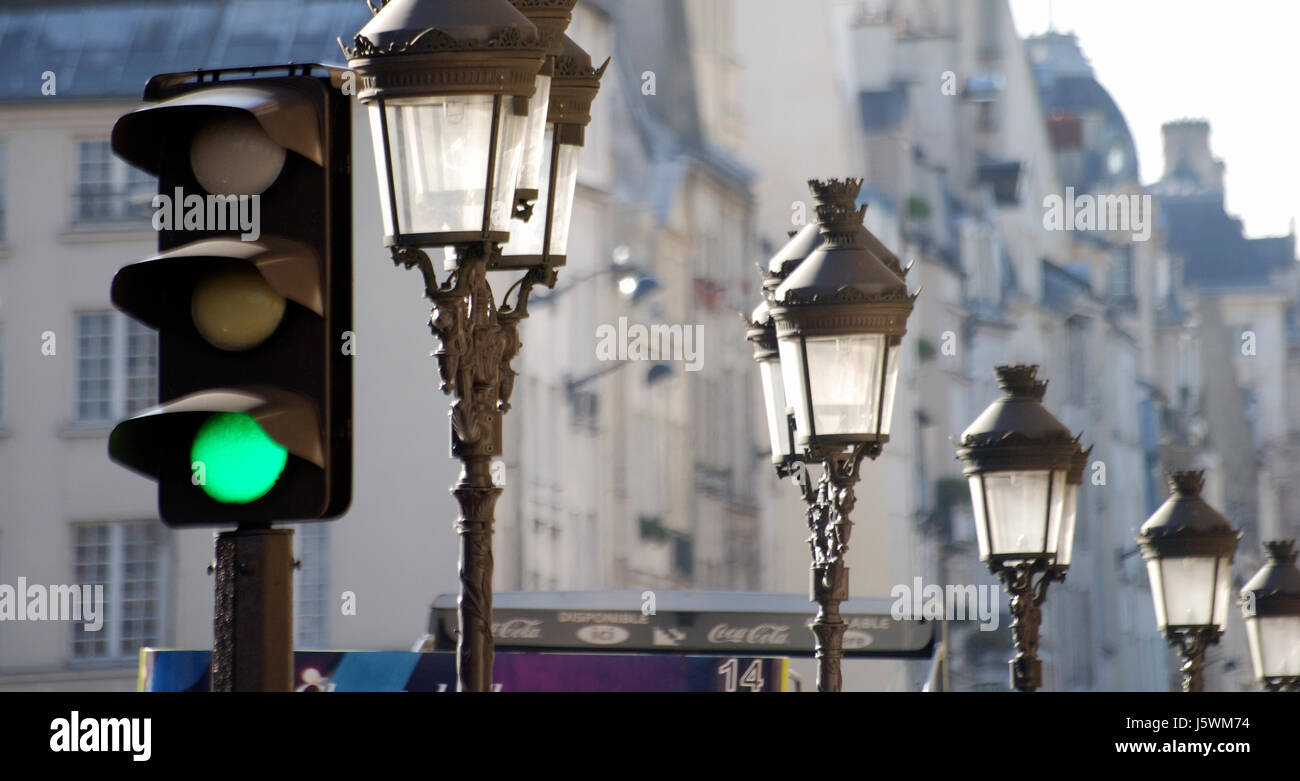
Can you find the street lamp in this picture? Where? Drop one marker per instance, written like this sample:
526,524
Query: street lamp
543,241
1188,547
1024,468
833,326
761,333
551,18
1270,602
450,87
780,418
447,84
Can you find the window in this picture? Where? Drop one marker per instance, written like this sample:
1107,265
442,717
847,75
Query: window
1121,276
127,560
108,189
586,408
117,367
311,596
1077,359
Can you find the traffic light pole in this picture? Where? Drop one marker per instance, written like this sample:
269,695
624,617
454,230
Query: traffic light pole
253,626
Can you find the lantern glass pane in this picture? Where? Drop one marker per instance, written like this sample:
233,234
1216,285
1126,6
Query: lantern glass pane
844,375
1069,514
509,157
793,375
981,520
1018,511
528,238
1187,589
1256,648
1157,592
566,183
536,151
891,382
1274,645
1055,512
774,405
440,149
1222,592
381,168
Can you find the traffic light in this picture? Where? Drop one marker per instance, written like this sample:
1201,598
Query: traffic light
250,292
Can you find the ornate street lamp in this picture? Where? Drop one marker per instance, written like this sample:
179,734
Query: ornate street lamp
832,331
779,416
1024,468
1188,547
761,333
1270,602
450,87
447,84
551,17
542,242
840,318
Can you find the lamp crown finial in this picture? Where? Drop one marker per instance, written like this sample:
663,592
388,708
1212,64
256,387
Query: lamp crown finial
837,208
1280,551
1187,483
1020,381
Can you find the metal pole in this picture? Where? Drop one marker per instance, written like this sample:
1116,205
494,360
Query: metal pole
253,619
1193,670
477,497
828,520
1027,596
479,339
1192,644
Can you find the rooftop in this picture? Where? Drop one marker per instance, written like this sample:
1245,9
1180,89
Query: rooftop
110,48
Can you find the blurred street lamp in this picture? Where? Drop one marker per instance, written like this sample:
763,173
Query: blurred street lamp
1270,603
827,340
1024,468
453,91
1189,547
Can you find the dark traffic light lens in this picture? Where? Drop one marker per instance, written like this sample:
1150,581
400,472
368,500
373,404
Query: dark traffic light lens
235,156
236,309
237,461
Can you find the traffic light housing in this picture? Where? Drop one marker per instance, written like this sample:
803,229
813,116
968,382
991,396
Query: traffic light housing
250,292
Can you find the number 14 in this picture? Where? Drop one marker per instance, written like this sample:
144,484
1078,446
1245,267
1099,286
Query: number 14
752,679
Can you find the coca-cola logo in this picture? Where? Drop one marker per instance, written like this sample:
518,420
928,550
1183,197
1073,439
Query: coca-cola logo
603,634
763,634
518,629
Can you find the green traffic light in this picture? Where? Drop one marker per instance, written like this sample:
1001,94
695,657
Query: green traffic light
238,461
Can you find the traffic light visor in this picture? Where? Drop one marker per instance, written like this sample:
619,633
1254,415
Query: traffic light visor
285,110
144,289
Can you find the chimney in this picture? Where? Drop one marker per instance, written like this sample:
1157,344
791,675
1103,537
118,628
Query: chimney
1187,153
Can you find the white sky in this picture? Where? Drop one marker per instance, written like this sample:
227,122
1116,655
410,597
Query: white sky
1235,63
